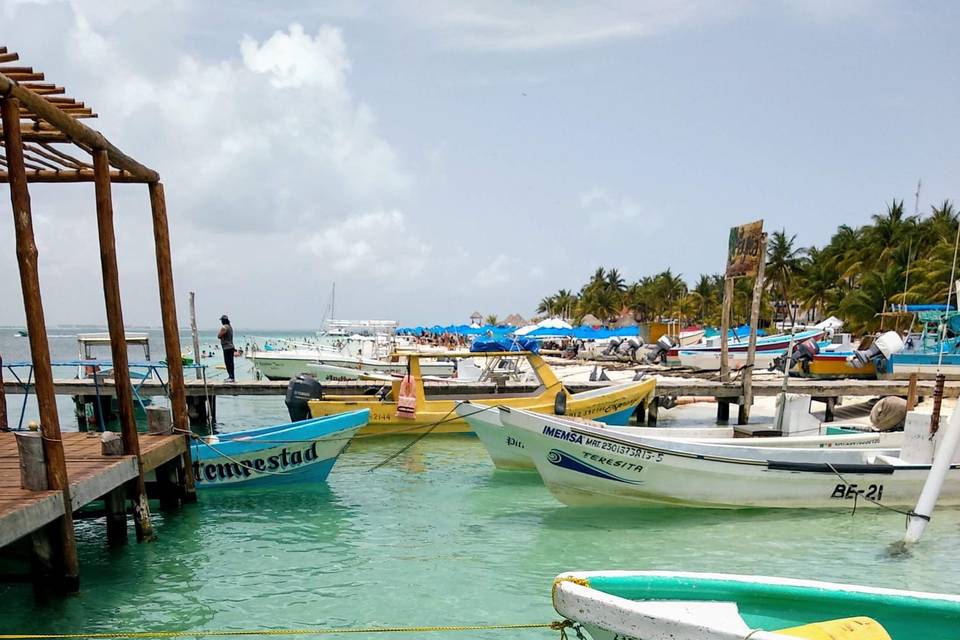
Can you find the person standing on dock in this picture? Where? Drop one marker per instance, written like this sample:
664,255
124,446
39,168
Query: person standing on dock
226,343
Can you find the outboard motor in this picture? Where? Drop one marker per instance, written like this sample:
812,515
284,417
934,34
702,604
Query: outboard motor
659,351
300,390
803,353
629,347
879,352
612,346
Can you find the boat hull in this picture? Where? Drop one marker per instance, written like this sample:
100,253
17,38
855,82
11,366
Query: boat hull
612,405
298,452
830,366
590,468
506,447
323,367
710,360
684,606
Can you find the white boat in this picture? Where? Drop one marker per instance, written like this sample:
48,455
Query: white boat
710,360
662,605
332,365
507,450
583,465
505,443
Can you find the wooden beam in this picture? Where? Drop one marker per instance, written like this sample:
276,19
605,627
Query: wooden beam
73,175
171,332
23,76
43,88
37,334
118,343
9,57
41,136
76,130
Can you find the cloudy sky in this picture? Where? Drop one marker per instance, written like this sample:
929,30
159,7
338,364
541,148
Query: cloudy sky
433,158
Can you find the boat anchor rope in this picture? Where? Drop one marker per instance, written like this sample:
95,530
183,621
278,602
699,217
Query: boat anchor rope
316,631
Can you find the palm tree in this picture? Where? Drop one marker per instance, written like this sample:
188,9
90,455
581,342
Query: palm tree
783,263
491,319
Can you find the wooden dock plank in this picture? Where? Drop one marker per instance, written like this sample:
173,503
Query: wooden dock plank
26,512
91,476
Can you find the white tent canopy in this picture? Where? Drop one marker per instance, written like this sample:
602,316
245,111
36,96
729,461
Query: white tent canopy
550,323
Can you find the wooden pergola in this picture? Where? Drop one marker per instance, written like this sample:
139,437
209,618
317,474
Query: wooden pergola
44,140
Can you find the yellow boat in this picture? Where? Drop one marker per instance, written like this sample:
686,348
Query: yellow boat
417,413
833,365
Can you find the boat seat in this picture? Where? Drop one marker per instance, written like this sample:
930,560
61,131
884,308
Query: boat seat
857,628
891,460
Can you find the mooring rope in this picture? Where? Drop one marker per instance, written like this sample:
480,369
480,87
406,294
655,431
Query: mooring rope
315,631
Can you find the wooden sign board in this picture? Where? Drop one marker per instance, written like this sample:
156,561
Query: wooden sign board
743,253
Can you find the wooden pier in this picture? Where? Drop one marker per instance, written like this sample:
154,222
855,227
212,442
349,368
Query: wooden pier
666,386
93,476
199,395
46,477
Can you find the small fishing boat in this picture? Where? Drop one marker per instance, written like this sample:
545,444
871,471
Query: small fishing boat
505,445
643,605
294,452
705,360
505,442
404,407
740,343
586,466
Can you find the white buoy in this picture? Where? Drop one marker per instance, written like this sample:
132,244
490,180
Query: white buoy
938,473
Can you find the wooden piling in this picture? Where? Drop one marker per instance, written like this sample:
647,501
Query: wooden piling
118,343
653,412
912,392
67,570
725,330
743,415
4,425
171,332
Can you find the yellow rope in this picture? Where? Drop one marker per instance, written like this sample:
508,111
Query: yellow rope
277,632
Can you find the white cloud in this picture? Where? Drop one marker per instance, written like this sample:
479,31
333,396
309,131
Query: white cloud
503,269
603,208
505,25
271,139
376,244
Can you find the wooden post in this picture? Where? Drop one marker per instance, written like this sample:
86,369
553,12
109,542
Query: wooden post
653,411
4,425
723,410
37,334
158,421
831,404
193,332
33,467
115,506
725,330
118,342
743,416
171,329
912,392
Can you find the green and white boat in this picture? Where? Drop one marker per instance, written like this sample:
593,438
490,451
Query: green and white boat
657,605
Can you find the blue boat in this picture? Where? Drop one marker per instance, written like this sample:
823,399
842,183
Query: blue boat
934,349
302,451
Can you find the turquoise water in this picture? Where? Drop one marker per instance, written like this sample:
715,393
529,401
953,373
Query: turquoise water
437,538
